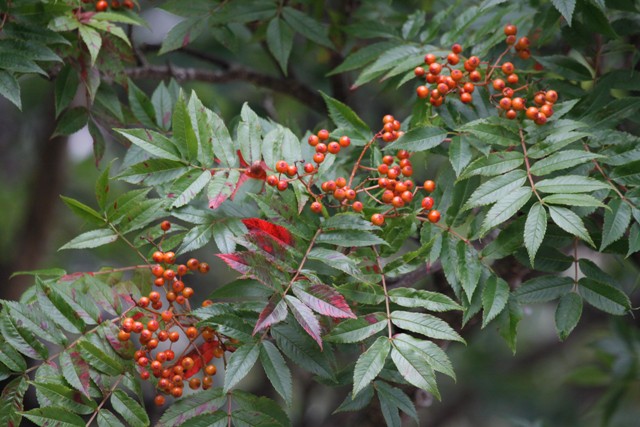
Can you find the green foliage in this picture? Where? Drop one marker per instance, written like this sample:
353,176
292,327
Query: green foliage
335,294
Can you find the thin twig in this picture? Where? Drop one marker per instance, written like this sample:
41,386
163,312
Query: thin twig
104,400
528,165
384,289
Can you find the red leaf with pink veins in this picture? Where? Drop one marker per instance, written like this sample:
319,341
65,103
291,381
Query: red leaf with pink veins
305,318
324,300
236,261
273,313
277,231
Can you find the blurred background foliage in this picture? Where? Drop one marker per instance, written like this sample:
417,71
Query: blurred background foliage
592,378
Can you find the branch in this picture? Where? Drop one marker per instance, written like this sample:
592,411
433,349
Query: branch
285,86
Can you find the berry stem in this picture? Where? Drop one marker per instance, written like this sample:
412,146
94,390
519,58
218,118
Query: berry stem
357,164
302,262
131,245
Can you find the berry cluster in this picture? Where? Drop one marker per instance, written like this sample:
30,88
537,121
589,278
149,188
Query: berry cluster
501,76
159,326
393,184
103,5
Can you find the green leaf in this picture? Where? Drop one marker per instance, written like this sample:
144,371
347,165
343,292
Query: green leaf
66,398
394,398
425,324
306,26
152,142
299,347
356,403
92,239
554,142
570,184
102,187
10,88
141,107
492,132
604,297
249,134
627,174
534,229
460,153
336,260
107,419
52,415
129,408
576,199
419,139
277,370
280,41
370,363
414,369
92,40
357,330
388,60
67,83
10,357
494,298
223,145
98,359
71,121
258,411
153,172
196,185
562,160
568,314
350,238
496,188
543,289
345,118
566,8
505,208
239,364
433,354
183,33
205,401
83,211
362,56
493,164
348,221
616,221
414,298
634,240
21,339
570,222
509,320
183,134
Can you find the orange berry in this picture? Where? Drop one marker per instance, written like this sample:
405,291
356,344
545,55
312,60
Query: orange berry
508,68
422,92
510,30
323,134
427,203
377,219
466,97
532,113
456,48
429,186
344,141
203,268
316,207
433,216
159,400
165,225
313,140
157,256
430,58
357,206
551,96
210,370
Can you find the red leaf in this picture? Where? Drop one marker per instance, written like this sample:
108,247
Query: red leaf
201,357
243,162
236,261
324,300
277,231
273,313
243,178
305,318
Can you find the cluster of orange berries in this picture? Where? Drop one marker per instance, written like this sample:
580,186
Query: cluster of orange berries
322,146
158,330
103,5
464,82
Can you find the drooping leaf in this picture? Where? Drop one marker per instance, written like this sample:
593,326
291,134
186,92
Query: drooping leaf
280,41
305,318
370,363
300,347
240,363
568,314
202,402
52,415
274,312
99,359
92,40
106,418
306,26
83,211
356,403
141,106
65,89
534,229
562,160
570,184
505,208
152,142
603,296
345,118
196,185
508,321
71,121
492,165
570,222
616,221
414,369
494,298
64,397
21,339
277,370
183,33
566,8
395,398
435,356
76,371
496,188
11,401
184,135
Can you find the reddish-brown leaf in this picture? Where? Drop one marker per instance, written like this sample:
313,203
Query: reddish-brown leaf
273,313
236,261
324,300
201,356
305,318
277,231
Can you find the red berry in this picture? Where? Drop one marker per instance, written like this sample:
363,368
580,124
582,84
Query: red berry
419,71
511,114
510,30
433,216
377,219
427,203
169,257
422,92
435,68
316,207
512,79
429,186
333,147
532,113
309,168
344,141
321,148
505,103
292,170
551,96
453,59
499,84
313,140
282,166
388,119
272,180
101,6
157,256
193,264
159,399
456,48
318,158
165,225
517,104
466,97
323,134
508,68
282,185
430,58
203,267
357,206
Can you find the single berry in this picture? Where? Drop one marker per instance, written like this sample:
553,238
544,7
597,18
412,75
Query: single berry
422,92
466,97
511,114
157,256
309,168
433,216
475,76
313,140
518,104
430,58
453,59
292,170
419,71
508,68
505,103
429,186
165,225
377,219
551,96
323,134
282,185
427,203
532,113
456,48
169,257
435,68
193,264
510,30
272,180
333,147
203,267
357,206
318,158
344,141
101,6
498,84
282,166
159,400
316,207
512,79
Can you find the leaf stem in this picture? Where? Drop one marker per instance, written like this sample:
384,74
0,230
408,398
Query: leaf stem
302,262
356,166
528,165
104,400
386,293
